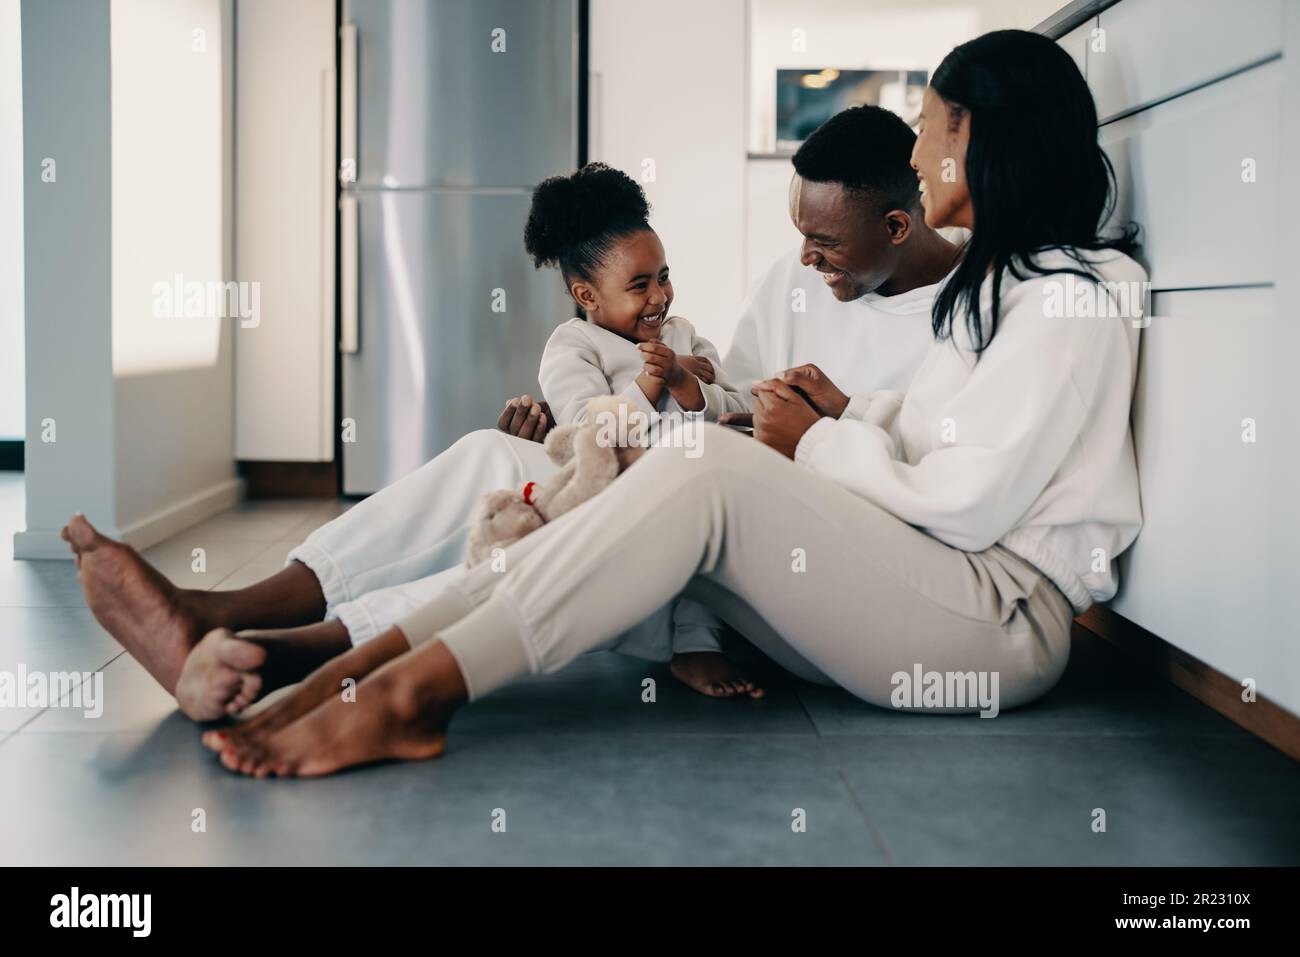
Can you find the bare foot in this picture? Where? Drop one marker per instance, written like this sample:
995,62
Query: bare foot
318,687
401,713
714,674
220,676
133,602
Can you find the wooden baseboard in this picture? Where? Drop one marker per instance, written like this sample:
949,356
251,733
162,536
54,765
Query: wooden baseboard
1262,717
290,479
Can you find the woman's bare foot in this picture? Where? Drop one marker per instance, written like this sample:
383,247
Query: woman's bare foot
714,674
220,676
324,683
133,602
401,712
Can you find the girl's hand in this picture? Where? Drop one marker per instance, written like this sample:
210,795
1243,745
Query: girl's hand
781,416
699,367
661,363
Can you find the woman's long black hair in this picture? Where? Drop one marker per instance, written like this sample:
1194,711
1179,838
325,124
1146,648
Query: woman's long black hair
1038,179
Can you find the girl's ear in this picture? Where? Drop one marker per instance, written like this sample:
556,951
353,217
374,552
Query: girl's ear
585,295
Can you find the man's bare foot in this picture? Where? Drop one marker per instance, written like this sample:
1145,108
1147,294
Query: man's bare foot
714,674
401,712
324,683
133,602
220,676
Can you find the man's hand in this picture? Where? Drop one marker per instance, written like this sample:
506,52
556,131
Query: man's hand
744,420
525,418
821,391
781,416
661,363
699,367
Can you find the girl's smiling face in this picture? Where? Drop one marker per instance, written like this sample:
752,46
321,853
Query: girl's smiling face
939,158
631,292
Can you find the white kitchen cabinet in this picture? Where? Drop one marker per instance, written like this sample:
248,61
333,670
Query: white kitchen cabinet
1181,174
285,206
1216,450
1158,48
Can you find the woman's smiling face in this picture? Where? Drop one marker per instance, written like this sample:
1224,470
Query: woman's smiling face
632,291
939,158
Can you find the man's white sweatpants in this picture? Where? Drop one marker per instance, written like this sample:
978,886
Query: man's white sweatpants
396,550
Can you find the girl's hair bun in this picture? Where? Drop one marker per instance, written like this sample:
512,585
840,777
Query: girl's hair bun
574,218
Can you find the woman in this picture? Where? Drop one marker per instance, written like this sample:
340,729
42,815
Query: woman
956,529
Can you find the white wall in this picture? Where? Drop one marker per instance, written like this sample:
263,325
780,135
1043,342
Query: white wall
173,377
668,86
846,34
12,387
141,407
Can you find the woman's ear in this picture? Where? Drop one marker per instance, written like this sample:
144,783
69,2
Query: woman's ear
899,224
585,295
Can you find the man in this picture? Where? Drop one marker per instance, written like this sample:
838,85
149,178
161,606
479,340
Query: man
863,321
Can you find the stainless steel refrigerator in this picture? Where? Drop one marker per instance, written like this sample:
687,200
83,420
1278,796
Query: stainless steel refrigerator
450,112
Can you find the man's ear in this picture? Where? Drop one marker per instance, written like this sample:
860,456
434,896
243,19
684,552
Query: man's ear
584,294
898,223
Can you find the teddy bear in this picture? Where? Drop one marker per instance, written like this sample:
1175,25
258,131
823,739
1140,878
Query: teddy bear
590,456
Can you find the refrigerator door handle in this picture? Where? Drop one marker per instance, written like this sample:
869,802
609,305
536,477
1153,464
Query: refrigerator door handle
348,266
347,104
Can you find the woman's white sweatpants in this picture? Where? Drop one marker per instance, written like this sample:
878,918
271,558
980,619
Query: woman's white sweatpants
824,582
396,550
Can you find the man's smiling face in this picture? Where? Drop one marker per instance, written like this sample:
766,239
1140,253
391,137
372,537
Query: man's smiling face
846,238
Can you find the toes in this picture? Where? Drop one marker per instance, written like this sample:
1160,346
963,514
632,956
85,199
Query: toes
215,740
239,654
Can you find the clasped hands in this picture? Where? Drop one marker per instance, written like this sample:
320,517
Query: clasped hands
787,406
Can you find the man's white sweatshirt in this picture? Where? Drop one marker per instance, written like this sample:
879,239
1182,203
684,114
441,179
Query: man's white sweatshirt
1028,447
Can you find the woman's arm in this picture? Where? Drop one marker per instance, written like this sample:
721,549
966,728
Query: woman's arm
1013,423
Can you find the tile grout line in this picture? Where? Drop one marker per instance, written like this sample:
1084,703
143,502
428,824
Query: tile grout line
22,727
822,743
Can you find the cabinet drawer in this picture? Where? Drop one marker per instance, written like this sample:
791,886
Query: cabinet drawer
1075,43
1215,506
1156,48
1179,171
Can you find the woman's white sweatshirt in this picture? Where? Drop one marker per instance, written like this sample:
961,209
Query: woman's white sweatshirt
581,361
1028,447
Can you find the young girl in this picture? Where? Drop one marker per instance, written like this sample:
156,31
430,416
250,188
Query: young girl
593,227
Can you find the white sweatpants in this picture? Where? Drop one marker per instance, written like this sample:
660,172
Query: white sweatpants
396,550
824,582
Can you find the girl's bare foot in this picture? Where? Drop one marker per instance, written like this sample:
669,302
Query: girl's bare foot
220,676
133,602
318,687
714,674
401,712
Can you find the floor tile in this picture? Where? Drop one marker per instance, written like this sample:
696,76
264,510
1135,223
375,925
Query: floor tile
1029,799
39,584
221,558
591,799
49,640
603,692
1101,692
132,701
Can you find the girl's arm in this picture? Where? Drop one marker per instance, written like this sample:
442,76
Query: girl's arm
571,375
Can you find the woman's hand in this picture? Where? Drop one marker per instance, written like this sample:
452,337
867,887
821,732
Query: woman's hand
781,416
699,367
661,363
525,418
819,389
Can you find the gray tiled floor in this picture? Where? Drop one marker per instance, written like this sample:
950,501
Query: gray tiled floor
586,773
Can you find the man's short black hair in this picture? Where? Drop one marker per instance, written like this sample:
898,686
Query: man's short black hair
866,149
